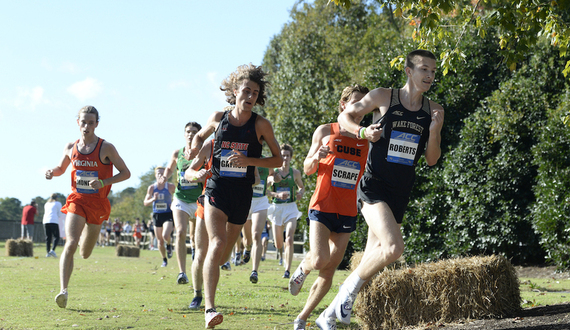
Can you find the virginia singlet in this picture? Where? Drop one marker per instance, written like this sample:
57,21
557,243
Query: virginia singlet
228,138
88,167
339,173
393,158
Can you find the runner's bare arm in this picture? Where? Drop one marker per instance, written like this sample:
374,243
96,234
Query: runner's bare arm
265,134
170,168
299,181
196,172
317,151
149,198
377,98
63,163
204,133
109,152
433,148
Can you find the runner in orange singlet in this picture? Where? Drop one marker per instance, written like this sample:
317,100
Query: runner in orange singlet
92,160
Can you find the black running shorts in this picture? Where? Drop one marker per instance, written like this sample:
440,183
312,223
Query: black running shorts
372,190
335,222
231,198
159,219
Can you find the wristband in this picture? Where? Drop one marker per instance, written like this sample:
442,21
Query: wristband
357,131
362,132
102,184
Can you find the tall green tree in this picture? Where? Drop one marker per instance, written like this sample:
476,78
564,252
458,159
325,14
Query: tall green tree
10,209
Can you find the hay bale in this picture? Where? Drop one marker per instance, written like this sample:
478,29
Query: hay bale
26,247
12,248
134,251
127,251
445,291
120,250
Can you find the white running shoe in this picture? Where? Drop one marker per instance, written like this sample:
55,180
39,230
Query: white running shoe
326,323
61,299
299,324
52,253
343,306
182,279
213,319
297,279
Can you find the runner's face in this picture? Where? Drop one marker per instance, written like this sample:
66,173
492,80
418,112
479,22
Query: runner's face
87,123
189,133
246,95
286,155
423,73
158,174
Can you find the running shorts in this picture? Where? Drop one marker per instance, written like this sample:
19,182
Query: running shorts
189,208
158,219
258,204
94,210
333,221
280,214
232,199
372,190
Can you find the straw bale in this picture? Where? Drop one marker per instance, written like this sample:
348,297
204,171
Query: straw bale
134,252
120,250
26,247
445,291
127,251
12,248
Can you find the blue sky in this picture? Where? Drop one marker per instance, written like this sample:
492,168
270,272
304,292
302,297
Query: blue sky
149,67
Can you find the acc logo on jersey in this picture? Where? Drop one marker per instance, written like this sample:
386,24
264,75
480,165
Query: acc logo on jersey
348,163
406,137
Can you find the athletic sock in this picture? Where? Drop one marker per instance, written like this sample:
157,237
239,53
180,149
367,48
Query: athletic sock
197,293
353,282
210,310
164,259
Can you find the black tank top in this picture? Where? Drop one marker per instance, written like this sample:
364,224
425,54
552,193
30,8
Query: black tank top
229,137
393,158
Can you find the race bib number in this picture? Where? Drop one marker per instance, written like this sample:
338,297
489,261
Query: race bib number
345,173
161,206
402,148
82,179
285,190
258,189
229,170
185,184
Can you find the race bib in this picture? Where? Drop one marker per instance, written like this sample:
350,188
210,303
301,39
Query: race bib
345,173
185,184
284,189
258,189
82,179
229,170
402,148
161,206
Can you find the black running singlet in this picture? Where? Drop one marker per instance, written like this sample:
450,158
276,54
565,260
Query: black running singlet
393,158
229,137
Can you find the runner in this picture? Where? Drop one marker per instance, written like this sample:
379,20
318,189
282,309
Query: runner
257,219
237,150
117,229
406,125
196,172
184,201
92,160
159,195
340,159
138,230
283,213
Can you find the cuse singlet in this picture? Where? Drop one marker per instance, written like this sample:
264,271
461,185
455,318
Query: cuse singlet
393,158
88,167
339,173
229,138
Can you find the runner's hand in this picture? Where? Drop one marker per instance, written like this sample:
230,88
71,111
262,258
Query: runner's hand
373,132
237,158
49,174
323,152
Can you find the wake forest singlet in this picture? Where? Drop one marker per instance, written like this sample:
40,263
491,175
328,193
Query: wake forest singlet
186,191
162,203
230,137
393,158
88,167
338,174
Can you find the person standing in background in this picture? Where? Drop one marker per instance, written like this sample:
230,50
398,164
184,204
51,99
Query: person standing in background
28,214
52,213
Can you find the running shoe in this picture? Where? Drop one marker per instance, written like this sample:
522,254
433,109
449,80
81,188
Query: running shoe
297,280
299,324
286,274
164,263
343,306
182,278
237,261
52,253
227,266
281,262
195,304
253,277
169,250
61,299
48,255
326,323
262,258
213,318
246,256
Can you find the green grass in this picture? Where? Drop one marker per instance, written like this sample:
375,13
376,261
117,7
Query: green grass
109,292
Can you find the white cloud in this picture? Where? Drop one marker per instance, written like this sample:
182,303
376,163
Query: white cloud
179,84
86,89
30,97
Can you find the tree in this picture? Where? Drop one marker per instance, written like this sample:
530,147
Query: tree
10,209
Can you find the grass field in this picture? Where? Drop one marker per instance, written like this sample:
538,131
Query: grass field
109,292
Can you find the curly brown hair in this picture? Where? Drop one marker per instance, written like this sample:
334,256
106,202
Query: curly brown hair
236,78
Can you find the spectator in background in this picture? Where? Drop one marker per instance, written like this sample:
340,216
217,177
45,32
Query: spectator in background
52,212
128,228
117,228
28,214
